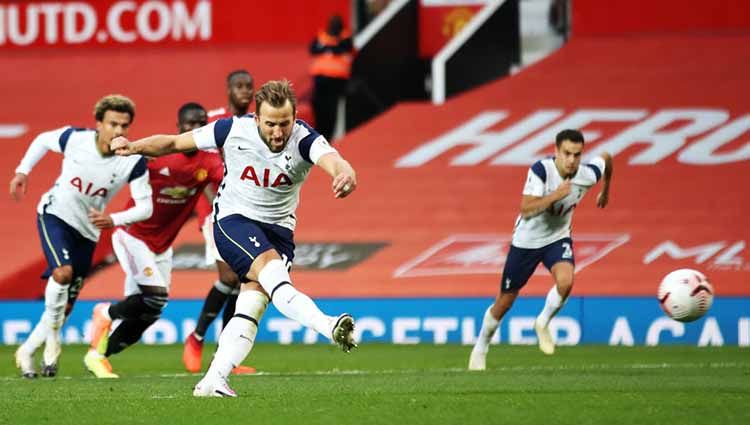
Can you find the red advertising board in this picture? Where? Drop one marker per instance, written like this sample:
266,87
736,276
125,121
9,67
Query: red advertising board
597,17
121,23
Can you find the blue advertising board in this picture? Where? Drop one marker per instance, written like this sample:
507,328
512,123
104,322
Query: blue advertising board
589,320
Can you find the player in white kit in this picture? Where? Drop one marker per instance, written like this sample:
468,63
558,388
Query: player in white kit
554,186
70,215
267,158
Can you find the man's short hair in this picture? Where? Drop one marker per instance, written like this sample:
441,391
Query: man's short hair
190,106
574,136
114,102
236,73
275,93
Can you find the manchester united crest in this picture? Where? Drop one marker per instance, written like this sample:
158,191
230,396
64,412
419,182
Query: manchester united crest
201,174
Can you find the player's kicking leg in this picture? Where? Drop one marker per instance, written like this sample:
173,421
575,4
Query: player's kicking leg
246,247
254,250
273,276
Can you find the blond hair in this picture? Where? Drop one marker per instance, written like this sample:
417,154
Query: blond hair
114,102
276,93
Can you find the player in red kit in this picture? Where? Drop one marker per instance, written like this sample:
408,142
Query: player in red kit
144,249
224,292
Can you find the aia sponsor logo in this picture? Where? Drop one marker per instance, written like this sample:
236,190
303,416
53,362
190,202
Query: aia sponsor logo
485,254
265,180
88,188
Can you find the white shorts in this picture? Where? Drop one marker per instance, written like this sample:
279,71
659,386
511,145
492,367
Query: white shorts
141,265
212,253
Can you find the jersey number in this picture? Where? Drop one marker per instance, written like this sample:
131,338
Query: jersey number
567,250
287,263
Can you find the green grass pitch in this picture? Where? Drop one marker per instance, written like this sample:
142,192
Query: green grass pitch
389,384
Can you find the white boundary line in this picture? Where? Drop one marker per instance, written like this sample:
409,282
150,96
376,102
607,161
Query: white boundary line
359,372
438,62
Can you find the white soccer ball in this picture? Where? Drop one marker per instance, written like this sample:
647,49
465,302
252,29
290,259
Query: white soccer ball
685,295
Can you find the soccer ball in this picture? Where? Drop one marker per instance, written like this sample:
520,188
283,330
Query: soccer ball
685,295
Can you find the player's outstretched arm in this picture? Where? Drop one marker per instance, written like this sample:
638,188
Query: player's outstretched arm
44,142
344,177
157,145
603,198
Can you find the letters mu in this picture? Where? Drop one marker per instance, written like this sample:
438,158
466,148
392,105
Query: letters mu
250,174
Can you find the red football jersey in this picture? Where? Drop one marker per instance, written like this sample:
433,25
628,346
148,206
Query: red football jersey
178,181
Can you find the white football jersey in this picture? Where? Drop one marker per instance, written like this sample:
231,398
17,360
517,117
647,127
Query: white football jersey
259,184
554,223
88,179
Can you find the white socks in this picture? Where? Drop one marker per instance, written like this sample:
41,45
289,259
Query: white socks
552,305
289,301
37,336
223,287
52,347
238,336
55,299
489,326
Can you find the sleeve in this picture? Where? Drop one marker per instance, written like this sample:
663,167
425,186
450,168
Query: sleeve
213,135
597,166
320,147
534,183
140,191
54,141
313,145
140,168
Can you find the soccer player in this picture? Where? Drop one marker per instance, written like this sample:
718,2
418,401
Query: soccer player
224,292
144,248
554,187
70,215
267,158
240,90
